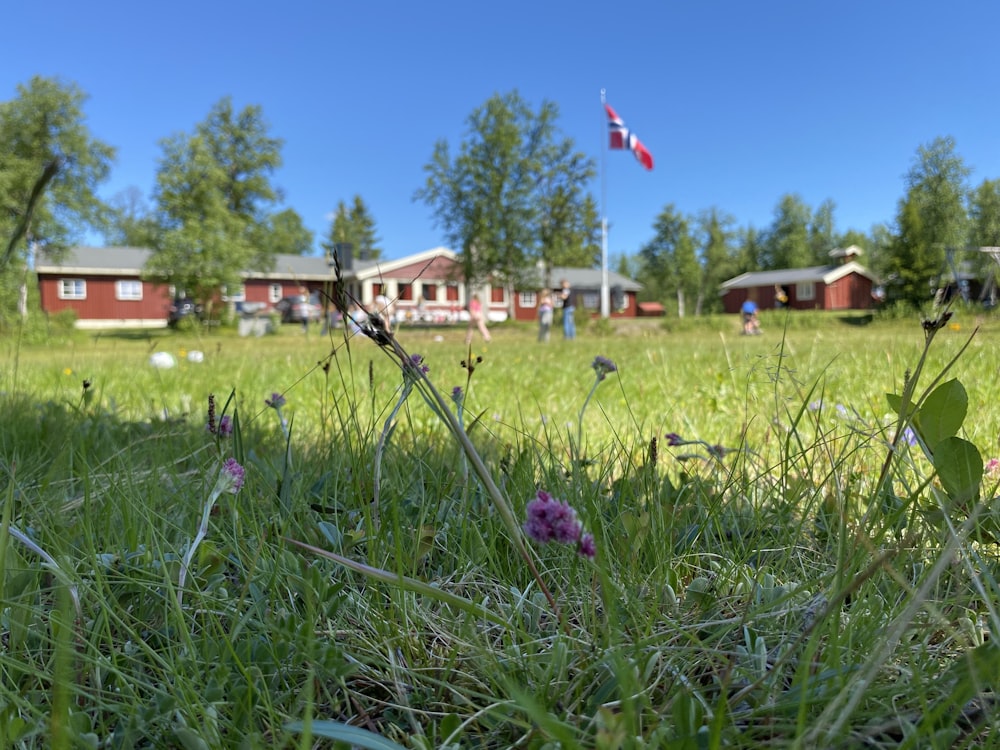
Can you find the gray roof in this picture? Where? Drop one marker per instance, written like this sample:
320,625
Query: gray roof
586,278
110,261
130,261
117,261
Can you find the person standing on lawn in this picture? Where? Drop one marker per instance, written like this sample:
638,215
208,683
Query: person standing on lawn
476,320
568,310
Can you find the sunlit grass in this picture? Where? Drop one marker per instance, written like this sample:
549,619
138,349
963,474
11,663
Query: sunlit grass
735,594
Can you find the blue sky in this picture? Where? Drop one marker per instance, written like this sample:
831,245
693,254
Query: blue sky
739,102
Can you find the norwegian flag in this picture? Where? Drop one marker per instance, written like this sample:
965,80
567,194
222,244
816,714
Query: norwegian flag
621,138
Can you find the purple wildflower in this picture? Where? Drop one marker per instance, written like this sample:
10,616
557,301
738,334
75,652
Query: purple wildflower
910,436
225,426
587,548
232,476
717,451
815,405
276,401
673,439
456,394
416,362
551,520
992,466
602,366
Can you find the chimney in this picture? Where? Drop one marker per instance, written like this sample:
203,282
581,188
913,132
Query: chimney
345,255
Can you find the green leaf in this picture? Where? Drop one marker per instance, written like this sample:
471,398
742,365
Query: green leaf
189,739
960,468
941,414
355,736
972,673
895,402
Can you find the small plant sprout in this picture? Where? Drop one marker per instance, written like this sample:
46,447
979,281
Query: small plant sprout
602,367
230,480
414,368
714,451
277,402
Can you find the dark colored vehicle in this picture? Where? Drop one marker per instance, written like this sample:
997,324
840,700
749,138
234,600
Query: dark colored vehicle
297,310
182,308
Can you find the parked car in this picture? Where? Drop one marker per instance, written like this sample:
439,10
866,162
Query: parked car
180,308
295,310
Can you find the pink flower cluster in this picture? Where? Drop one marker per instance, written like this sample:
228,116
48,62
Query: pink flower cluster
551,520
232,476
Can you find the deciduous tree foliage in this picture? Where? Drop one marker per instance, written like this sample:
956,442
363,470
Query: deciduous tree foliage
131,221
718,262
214,193
513,194
786,243
284,232
669,260
50,169
931,218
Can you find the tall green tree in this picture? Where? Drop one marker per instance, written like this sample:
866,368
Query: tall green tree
786,242
932,217
822,233
715,239
913,264
354,226
285,232
214,195
670,259
569,229
50,169
984,212
131,221
750,252
512,194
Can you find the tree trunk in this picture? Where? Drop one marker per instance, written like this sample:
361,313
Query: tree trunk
680,302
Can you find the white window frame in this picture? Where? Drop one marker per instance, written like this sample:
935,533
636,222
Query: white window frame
78,290
240,296
128,290
591,300
528,299
275,293
805,291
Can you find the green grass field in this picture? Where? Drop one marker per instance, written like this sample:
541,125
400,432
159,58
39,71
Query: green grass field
774,566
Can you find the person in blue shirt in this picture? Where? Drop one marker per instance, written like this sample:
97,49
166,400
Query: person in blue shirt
751,325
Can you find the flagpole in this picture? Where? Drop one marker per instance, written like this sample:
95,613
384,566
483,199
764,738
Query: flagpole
605,291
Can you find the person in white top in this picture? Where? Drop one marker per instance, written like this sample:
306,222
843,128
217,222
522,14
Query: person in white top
383,308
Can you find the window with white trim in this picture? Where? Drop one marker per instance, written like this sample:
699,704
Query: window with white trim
591,300
274,293
805,290
239,296
528,299
72,289
128,289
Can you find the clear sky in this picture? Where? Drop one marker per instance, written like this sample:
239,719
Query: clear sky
739,102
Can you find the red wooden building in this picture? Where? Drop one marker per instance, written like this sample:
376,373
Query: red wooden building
106,289
846,285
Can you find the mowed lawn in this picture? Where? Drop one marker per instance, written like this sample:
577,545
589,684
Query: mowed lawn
769,571
702,380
